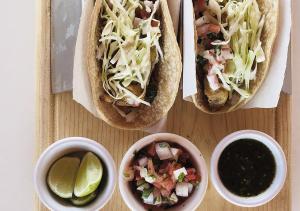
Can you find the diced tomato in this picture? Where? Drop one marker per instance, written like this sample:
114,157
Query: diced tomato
208,28
198,178
156,192
154,23
151,150
158,181
168,184
157,185
191,171
142,13
137,175
163,167
190,177
164,192
151,168
172,167
201,5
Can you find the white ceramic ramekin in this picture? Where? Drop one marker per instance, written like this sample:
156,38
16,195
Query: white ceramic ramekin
280,173
193,201
61,148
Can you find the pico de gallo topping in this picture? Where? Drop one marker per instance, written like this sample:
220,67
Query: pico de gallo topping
229,47
162,175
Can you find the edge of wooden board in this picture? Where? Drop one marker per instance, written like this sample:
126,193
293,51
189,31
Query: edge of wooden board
44,98
282,132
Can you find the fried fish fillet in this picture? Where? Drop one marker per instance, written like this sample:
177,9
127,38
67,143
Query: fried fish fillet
215,98
134,88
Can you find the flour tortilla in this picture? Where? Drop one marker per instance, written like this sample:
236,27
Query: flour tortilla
169,74
271,9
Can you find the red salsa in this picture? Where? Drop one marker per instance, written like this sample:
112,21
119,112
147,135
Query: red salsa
162,175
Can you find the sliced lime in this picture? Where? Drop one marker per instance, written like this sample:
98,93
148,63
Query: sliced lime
62,175
89,175
83,200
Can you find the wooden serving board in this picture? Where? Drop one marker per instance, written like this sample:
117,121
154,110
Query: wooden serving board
58,116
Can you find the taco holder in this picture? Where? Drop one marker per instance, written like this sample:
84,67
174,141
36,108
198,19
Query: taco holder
59,116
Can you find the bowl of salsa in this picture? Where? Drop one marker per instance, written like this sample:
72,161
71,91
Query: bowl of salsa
163,172
248,168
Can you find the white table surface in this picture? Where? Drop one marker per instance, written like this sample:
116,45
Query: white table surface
17,30
17,105
295,61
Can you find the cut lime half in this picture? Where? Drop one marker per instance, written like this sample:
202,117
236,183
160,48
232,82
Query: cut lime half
83,200
89,175
62,175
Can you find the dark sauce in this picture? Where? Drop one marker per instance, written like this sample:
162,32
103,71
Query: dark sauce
247,167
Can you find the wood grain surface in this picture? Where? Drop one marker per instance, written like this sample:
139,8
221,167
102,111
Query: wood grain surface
58,116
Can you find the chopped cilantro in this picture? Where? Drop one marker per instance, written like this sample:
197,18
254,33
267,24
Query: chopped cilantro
152,176
140,182
181,177
163,144
146,193
218,50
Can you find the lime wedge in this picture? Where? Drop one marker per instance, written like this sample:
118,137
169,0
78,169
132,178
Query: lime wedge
62,175
89,175
83,200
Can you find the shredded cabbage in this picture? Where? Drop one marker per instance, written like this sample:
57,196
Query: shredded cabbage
126,49
241,24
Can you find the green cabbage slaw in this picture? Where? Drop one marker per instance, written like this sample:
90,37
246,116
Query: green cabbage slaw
129,48
241,24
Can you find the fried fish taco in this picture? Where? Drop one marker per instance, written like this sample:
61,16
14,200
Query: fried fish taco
234,40
134,62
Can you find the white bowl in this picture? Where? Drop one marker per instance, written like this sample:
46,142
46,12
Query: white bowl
193,201
64,147
278,180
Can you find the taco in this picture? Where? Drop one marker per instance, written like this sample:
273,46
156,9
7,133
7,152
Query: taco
134,62
234,40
